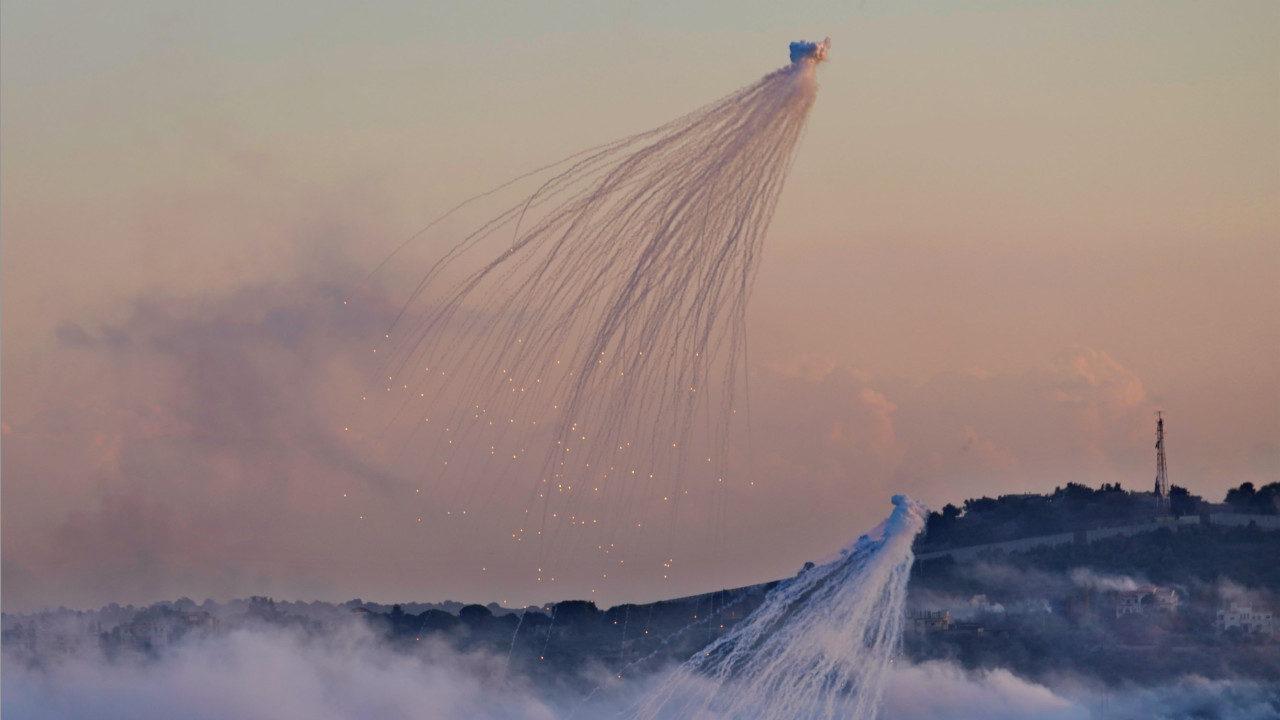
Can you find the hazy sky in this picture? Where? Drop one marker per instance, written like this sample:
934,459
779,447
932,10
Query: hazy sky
1014,230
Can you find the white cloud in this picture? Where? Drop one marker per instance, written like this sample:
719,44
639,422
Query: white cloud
271,674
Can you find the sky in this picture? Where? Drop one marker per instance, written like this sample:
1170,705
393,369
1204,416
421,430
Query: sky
1013,231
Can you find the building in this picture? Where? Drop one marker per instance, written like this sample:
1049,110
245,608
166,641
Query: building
1247,619
927,621
1147,599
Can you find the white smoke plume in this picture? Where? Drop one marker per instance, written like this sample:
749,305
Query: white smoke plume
941,691
1086,577
805,50
270,674
580,351
820,646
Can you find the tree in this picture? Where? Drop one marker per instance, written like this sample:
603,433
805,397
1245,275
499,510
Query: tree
1248,499
979,505
263,608
1267,499
1241,497
475,615
1182,502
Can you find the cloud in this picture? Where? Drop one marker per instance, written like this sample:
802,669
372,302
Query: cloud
941,691
265,672
269,673
1192,698
194,442
1086,577
938,691
1081,416
1233,593
195,445
803,49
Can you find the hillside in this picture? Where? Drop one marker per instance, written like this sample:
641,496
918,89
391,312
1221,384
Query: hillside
1042,612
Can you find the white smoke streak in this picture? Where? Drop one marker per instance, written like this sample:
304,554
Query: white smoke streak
602,316
821,645
1085,577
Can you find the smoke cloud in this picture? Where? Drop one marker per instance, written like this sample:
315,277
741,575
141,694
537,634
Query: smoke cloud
171,445
270,673
1085,577
941,691
805,50
267,673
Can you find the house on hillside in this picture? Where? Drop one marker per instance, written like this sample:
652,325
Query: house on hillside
929,621
1147,599
1248,619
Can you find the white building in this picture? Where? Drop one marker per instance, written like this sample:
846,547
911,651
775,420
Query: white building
1247,619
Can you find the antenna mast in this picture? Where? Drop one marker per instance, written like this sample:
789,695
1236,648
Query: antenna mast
1162,475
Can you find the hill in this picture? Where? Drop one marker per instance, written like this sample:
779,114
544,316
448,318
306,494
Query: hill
1143,607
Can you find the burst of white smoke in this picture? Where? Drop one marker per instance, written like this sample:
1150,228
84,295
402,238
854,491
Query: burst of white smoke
805,50
821,645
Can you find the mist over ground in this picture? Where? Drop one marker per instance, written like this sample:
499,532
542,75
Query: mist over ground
1036,636
347,672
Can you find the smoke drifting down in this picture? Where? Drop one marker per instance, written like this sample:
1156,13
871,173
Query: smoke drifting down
268,673
582,351
820,646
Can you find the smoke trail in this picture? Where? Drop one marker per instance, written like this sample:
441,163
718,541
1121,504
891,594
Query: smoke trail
582,339
820,646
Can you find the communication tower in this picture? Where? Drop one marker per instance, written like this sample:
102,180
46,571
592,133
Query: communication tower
1162,476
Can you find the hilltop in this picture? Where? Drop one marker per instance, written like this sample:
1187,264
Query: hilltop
1077,508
